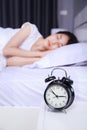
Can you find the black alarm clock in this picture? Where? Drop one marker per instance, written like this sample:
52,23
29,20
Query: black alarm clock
59,94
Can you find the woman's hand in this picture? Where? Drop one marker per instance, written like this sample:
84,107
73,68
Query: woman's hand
39,53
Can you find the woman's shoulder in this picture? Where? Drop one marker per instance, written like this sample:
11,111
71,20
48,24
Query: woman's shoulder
33,28
28,24
24,24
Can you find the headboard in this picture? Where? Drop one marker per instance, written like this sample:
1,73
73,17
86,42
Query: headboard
80,25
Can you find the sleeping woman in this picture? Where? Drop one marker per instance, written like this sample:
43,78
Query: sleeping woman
28,45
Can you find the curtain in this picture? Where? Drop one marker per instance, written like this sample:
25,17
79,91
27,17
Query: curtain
43,13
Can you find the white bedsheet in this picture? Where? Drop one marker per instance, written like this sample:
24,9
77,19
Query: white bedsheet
21,86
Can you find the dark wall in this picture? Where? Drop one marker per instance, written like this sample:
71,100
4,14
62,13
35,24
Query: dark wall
43,13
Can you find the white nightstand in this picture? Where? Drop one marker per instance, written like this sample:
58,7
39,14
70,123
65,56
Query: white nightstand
18,118
75,118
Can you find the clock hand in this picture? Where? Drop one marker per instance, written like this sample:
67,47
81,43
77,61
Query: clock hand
54,93
61,96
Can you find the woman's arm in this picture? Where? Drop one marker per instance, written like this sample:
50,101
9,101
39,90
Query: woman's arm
19,37
20,61
12,47
12,51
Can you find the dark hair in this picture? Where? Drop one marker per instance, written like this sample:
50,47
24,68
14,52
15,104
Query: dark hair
73,39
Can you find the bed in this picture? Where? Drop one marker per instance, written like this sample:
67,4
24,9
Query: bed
22,88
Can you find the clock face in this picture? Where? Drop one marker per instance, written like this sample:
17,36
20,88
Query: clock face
56,96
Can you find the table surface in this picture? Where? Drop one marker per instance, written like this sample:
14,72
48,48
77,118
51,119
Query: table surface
75,118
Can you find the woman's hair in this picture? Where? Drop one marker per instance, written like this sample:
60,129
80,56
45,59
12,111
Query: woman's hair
73,39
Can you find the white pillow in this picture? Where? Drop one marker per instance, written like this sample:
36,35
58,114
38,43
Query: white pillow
55,30
66,55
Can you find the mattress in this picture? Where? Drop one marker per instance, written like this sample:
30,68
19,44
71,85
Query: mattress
22,86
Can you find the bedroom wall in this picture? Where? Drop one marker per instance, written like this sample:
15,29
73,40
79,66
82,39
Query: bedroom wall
65,14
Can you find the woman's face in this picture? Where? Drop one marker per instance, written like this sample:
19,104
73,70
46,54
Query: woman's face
56,40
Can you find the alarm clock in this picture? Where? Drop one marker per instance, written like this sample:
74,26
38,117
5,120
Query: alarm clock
59,94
